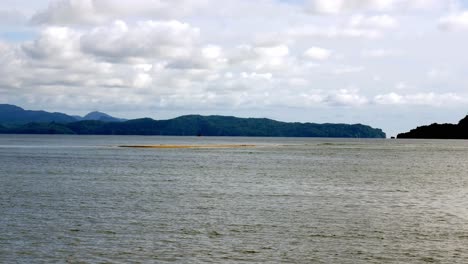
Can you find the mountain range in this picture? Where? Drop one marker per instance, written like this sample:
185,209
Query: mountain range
15,120
12,114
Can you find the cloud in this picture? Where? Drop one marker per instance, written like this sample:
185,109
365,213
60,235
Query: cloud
347,6
201,58
9,63
4,48
10,17
379,53
54,44
254,75
317,53
358,26
345,69
402,86
341,6
378,21
427,99
313,31
212,51
344,97
261,57
60,57
144,40
457,21
439,74
69,12
277,51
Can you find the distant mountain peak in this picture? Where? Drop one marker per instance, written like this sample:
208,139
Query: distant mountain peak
9,107
12,114
100,116
95,114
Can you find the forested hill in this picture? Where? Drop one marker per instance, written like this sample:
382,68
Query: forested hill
15,115
440,131
12,114
196,125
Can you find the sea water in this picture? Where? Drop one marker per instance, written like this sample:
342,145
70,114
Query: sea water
83,199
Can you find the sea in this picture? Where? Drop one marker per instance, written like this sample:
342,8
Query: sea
84,199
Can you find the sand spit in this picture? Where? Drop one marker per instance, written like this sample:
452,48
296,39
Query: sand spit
189,146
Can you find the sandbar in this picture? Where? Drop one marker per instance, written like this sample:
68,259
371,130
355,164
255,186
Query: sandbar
190,146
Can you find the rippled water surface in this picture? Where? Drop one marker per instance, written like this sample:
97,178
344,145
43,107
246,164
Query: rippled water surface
81,199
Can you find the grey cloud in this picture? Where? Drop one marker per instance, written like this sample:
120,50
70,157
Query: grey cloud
455,21
55,43
146,39
10,17
70,12
348,6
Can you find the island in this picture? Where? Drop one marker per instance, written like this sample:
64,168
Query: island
439,131
188,125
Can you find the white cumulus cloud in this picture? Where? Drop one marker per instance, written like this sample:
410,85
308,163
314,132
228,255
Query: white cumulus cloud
457,21
54,43
313,31
427,99
145,39
346,97
347,6
377,21
379,53
68,12
317,53
261,57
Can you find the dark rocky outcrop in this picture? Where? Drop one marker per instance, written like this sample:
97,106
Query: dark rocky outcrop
439,131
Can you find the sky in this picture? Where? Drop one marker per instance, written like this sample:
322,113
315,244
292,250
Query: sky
391,64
